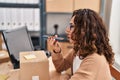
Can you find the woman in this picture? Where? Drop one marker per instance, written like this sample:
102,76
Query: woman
89,37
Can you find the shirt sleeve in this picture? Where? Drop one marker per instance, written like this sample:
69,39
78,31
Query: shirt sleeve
62,63
87,70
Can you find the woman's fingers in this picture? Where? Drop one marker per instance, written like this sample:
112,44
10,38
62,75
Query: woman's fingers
54,43
56,36
52,40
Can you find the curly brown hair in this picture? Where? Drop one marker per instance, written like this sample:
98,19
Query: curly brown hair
90,35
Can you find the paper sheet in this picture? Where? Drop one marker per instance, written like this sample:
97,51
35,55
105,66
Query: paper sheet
30,56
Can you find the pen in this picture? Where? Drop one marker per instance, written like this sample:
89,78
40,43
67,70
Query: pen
58,38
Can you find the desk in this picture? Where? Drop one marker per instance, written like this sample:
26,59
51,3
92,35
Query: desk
6,68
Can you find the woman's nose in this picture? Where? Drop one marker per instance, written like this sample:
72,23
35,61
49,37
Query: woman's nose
67,30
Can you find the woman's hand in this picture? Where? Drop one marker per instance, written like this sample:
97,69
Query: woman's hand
54,44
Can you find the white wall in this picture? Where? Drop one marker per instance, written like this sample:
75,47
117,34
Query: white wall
62,19
114,29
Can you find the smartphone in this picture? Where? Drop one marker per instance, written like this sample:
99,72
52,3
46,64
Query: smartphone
58,38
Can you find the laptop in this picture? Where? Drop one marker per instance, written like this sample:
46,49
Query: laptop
16,41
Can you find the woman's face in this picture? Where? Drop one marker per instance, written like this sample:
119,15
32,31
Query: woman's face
70,29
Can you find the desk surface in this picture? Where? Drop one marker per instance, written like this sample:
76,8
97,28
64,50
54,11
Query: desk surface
6,68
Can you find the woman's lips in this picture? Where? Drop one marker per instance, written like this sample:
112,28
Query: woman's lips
68,36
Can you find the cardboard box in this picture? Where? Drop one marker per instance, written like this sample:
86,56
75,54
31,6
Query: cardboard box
4,57
34,65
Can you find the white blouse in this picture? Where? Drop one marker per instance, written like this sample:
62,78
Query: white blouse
76,63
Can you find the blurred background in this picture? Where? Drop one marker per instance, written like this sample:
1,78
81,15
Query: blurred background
49,17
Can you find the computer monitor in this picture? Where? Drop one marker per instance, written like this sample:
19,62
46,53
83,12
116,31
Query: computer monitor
17,40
